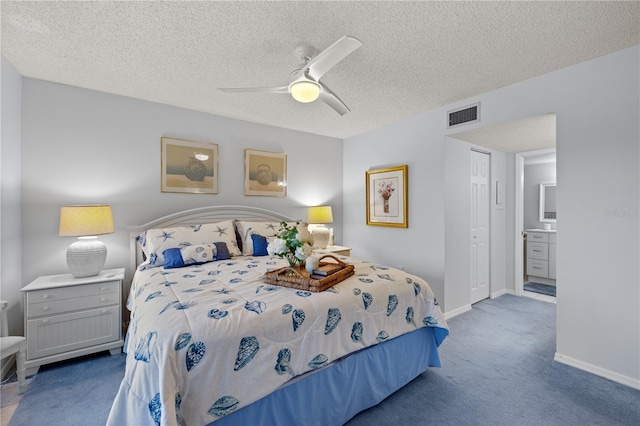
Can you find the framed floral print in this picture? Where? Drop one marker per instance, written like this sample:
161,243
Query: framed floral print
387,191
188,166
265,173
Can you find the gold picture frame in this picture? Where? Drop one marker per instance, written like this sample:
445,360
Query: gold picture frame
188,167
265,173
387,197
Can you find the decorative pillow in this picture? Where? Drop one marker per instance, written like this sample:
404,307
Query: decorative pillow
246,229
260,244
155,241
172,258
222,252
195,255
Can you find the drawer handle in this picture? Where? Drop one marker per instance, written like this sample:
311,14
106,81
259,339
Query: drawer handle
535,267
103,289
46,296
102,299
45,308
45,321
538,251
104,311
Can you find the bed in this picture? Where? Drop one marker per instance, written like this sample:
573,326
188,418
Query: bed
213,343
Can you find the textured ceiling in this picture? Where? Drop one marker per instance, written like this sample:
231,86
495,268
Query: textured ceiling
417,56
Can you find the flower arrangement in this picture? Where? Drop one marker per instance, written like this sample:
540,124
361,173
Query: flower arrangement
385,190
293,243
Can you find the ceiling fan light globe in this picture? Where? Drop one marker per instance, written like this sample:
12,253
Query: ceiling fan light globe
305,91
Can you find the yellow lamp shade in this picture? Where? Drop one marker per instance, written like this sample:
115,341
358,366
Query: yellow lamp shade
305,91
79,221
320,214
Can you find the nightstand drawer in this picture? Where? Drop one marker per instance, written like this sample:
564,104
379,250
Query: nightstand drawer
72,292
69,305
68,332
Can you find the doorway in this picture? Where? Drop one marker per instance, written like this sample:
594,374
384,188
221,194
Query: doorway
525,210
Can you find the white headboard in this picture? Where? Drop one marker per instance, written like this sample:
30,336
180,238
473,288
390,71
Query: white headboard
197,216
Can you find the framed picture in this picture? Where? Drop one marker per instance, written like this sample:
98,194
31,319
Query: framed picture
265,173
387,203
188,166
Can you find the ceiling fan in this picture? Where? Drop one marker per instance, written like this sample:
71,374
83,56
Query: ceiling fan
305,85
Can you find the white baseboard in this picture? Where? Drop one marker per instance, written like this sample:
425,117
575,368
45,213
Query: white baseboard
499,293
598,371
457,311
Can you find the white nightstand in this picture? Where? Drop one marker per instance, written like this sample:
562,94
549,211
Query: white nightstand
338,250
66,317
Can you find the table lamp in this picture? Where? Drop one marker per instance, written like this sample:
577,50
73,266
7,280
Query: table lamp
317,217
86,256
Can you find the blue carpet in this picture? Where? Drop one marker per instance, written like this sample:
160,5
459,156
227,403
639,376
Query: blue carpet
497,369
549,290
74,392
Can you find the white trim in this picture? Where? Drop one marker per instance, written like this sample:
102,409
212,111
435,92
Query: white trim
519,225
457,311
598,371
499,293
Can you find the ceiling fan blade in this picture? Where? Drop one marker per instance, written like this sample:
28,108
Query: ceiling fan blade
281,89
331,99
330,56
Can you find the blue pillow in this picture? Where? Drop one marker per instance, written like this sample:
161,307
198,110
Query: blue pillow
172,258
259,245
195,255
222,251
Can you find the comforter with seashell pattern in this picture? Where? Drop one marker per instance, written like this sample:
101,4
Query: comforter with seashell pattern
206,340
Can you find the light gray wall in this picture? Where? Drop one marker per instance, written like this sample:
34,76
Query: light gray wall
598,163
82,146
534,175
10,193
419,248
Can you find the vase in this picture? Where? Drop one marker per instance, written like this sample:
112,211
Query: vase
195,170
264,175
293,261
385,205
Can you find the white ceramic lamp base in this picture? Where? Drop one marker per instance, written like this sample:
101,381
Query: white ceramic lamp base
86,257
320,236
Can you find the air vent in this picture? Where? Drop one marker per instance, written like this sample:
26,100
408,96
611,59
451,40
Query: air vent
466,115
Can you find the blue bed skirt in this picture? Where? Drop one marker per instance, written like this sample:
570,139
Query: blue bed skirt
336,393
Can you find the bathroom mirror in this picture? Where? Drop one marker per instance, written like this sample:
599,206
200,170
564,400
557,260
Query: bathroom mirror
547,202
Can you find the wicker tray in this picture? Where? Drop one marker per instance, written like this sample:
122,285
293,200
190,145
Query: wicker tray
300,278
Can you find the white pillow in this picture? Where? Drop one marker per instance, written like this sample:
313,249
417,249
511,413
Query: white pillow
245,229
155,241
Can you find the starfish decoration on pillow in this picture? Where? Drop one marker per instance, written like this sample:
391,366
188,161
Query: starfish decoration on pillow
166,235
